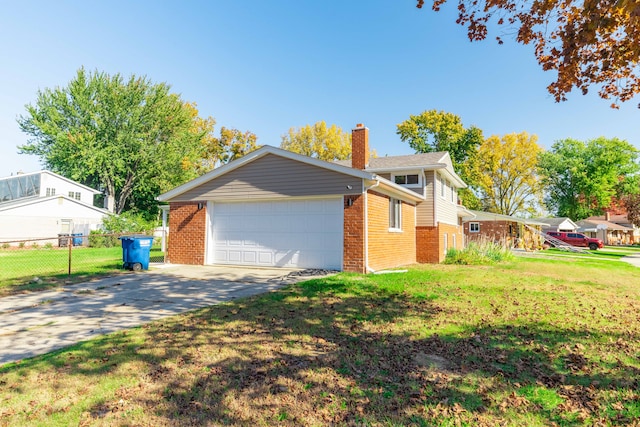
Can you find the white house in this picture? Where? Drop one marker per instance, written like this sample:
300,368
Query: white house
41,205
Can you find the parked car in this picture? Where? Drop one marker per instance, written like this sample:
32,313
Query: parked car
577,239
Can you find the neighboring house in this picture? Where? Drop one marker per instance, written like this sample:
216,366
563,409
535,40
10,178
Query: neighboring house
558,224
619,217
276,208
607,231
42,205
506,230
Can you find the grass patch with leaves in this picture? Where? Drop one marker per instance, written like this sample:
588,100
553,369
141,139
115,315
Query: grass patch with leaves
530,342
41,268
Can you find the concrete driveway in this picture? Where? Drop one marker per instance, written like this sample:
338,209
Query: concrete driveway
37,323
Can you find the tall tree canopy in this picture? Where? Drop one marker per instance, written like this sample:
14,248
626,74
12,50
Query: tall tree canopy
582,178
126,136
319,141
434,130
593,42
217,150
506,170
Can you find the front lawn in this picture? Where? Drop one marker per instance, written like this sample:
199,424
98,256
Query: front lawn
534,342
38,268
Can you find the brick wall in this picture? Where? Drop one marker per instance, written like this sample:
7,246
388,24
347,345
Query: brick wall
389,249
187,228
359,147
427,245
353,258
430,246
493,231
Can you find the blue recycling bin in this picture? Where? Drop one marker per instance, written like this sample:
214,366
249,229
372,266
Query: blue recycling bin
136,252
77,239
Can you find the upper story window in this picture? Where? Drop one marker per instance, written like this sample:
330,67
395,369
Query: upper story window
51,192
395,214
409,180
443,186
74,195
453,194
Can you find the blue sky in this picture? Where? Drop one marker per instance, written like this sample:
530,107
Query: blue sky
267,66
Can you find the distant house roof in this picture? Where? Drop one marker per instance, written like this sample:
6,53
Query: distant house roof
7,206
40,172
599,224
617,219
490,216
426,161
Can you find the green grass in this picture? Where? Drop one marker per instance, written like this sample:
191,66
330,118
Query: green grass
533,342
33,269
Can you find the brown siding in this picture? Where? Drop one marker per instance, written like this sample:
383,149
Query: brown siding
271,177
353,258
187,225
389,249
425,209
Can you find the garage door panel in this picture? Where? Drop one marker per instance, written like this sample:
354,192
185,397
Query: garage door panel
294,233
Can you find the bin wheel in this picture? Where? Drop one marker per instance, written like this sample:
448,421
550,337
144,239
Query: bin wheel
137,266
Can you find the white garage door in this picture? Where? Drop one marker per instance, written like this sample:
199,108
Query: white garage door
293,233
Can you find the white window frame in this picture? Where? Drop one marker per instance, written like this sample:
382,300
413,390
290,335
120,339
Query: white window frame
395,214
445,241
418,185
473,225
51,191
443,184
453,194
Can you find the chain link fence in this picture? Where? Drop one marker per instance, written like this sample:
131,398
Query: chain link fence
50,261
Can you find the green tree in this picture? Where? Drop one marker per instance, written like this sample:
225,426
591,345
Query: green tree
506,170
215,150
130,137
319,141
434,130
588,43
582,178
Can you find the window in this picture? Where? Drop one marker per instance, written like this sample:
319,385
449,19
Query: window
412,179
446,244
51,191
77,196
453,241
443,185
453,194
474,227
395,214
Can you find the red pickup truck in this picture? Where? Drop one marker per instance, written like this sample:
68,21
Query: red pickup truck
577,239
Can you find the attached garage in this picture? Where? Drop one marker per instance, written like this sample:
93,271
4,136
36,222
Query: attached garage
305,233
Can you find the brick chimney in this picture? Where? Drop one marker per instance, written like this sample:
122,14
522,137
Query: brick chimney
607,216
360,147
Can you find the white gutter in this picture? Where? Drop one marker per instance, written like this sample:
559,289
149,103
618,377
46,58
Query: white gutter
365,189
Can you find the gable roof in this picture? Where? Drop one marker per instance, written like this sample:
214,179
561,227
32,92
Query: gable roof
266,150
18,203
553,221
425,161
490,216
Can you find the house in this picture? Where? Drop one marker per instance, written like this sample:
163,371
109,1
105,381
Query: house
609,232
506,230
277,208
559,224
41,205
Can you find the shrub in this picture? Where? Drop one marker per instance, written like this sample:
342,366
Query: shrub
479,253
115,226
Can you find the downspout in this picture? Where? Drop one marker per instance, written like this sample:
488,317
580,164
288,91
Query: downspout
365,189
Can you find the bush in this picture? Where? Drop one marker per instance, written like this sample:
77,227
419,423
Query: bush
477,253
115,226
